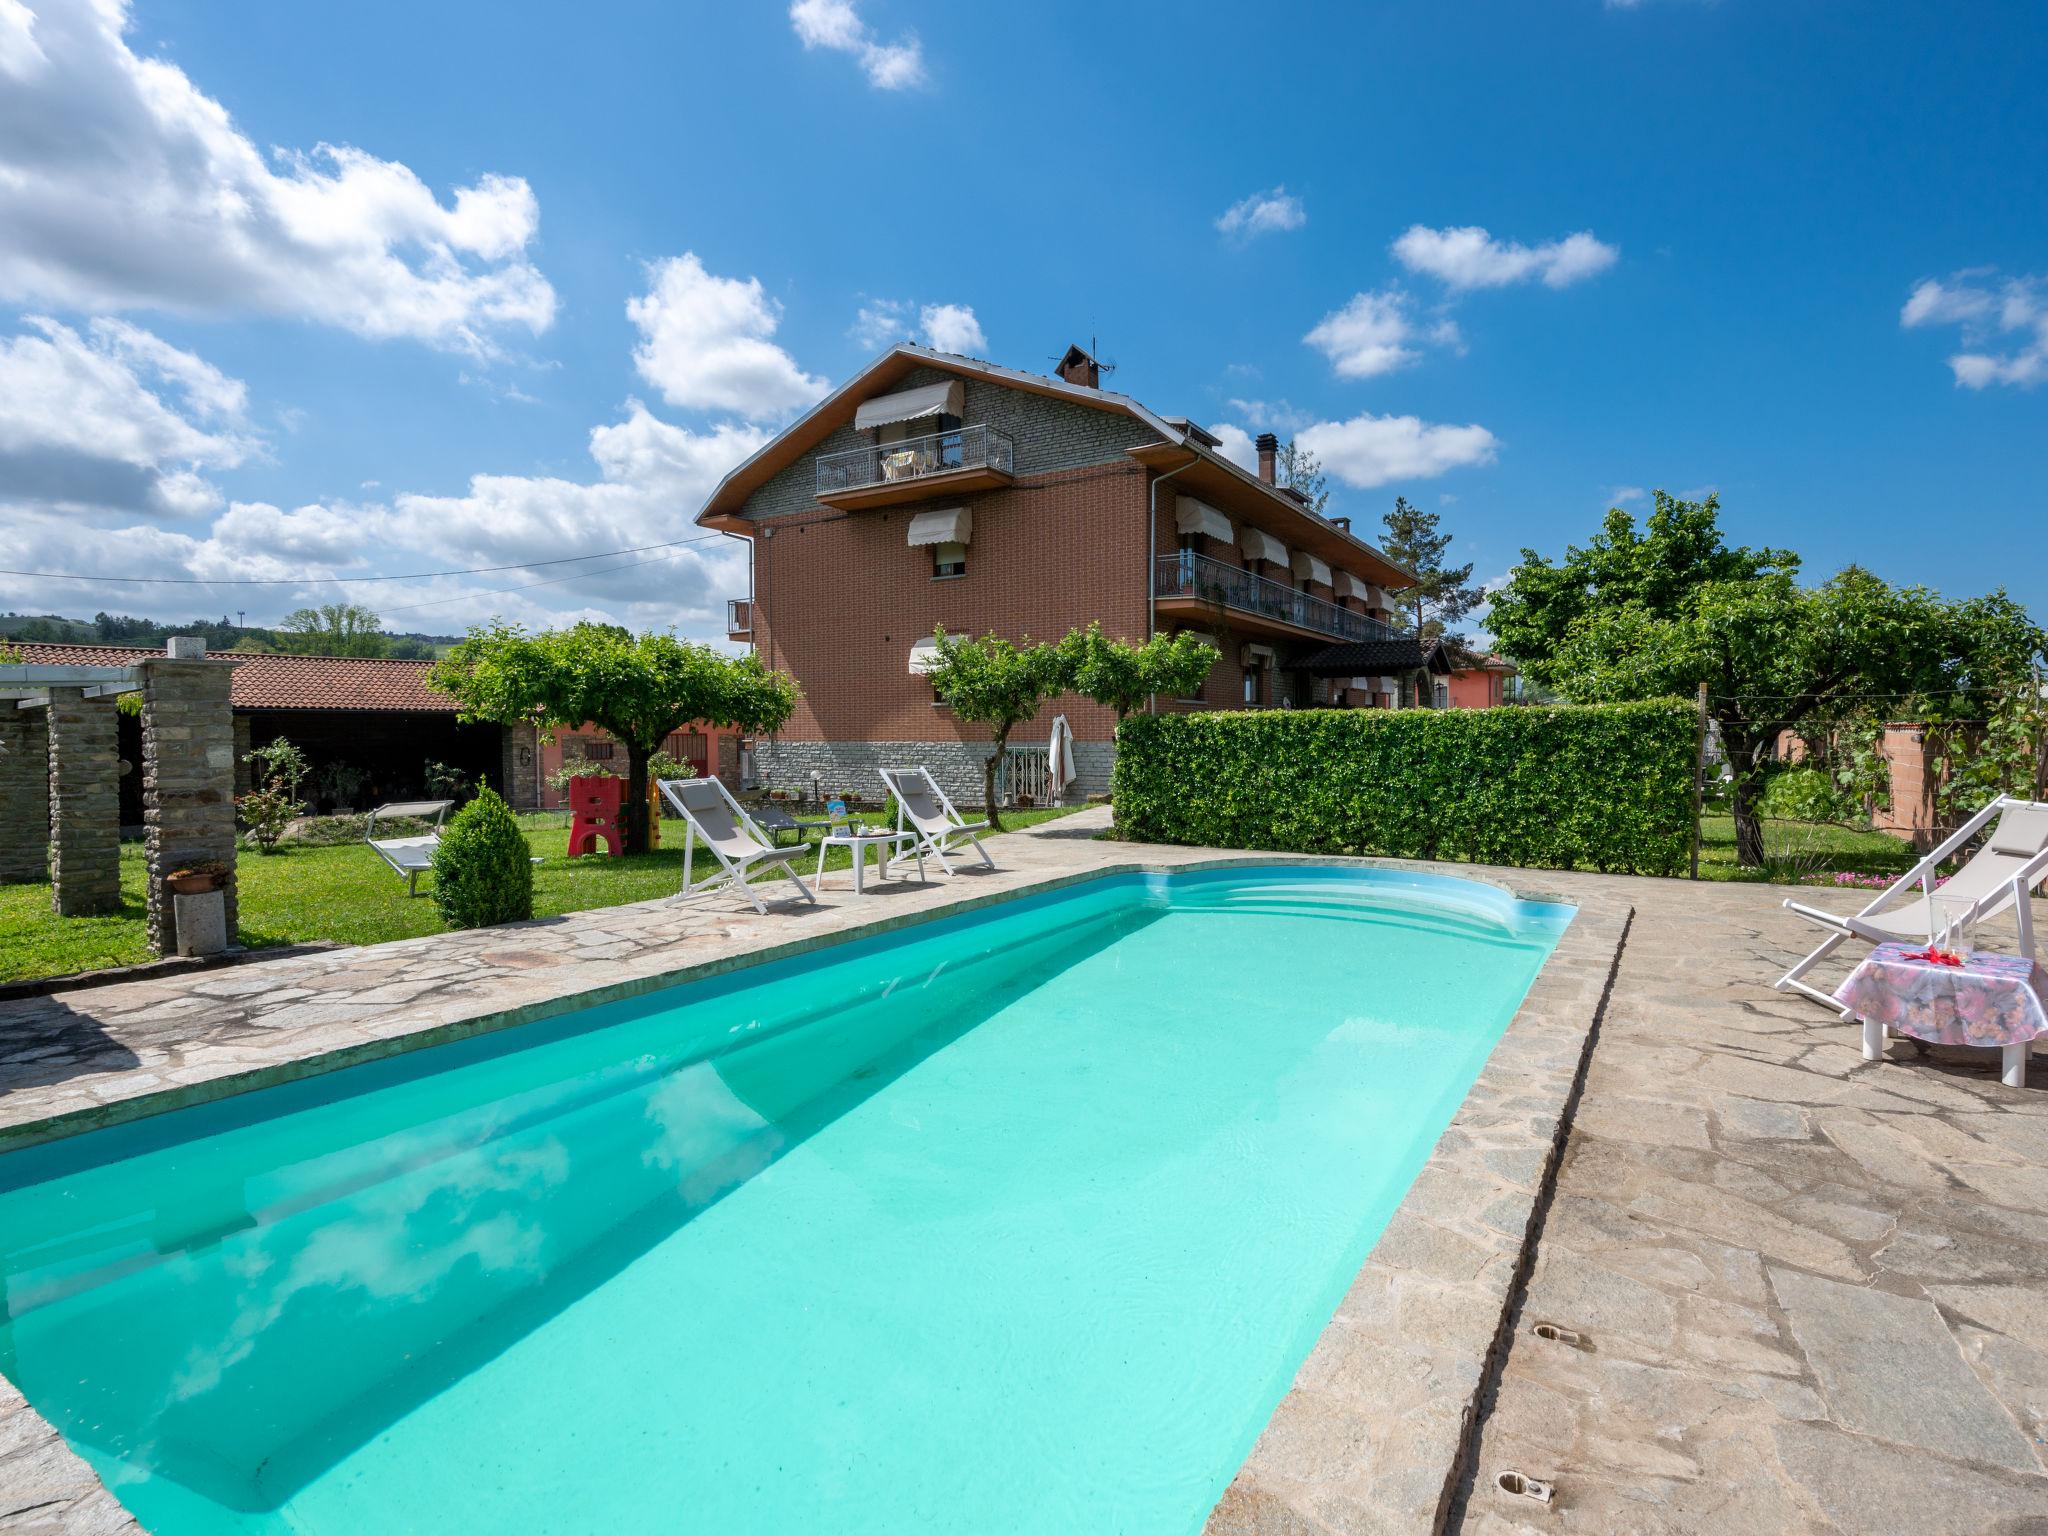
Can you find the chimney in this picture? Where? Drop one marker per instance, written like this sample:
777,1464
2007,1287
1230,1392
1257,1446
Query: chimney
1077,367
1269,448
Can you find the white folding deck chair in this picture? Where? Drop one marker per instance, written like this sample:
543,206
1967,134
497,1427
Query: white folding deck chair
408,856
930,815
711,816
2001,874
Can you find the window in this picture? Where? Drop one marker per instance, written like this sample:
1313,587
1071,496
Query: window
1251,687
595,751
1443,695
949,560
1191,543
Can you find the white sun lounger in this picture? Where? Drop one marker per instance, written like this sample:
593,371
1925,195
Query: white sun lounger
939,828
2001,874
408,856
711,816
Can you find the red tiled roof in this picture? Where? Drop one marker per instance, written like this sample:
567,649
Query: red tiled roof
283,682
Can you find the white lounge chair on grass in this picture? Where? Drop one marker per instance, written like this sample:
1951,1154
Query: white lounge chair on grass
2001,874
408,856
939,828
711,816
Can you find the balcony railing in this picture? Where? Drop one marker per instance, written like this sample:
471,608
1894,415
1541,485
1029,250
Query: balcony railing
1191,575
976,447
739,616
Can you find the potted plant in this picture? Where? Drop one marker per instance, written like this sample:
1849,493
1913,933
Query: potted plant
211,875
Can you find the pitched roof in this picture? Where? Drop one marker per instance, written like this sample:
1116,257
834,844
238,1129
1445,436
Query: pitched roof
1366,658
283,682
1181,444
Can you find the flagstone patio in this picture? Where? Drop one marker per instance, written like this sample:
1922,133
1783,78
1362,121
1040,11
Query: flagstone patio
1810,1290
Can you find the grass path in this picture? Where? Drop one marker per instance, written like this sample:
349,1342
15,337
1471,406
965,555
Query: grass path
346,894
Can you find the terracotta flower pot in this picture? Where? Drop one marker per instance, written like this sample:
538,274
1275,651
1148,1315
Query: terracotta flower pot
182,884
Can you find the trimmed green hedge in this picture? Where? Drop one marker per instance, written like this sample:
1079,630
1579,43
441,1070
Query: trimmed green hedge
1606,786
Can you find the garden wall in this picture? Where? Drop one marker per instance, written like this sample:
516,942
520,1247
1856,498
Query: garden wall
1605,787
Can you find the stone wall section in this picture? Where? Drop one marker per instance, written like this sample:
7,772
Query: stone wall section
519,766
24,796
856,766
188,781
85,804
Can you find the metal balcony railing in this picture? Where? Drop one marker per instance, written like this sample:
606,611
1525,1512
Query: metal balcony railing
1191,575
739,616
976,447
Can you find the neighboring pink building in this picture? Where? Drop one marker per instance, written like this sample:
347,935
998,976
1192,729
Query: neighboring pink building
709,749
1460,679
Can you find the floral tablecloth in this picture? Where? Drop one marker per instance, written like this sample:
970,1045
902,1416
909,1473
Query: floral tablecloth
1988,1000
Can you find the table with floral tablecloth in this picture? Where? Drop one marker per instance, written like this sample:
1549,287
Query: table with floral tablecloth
1988,1000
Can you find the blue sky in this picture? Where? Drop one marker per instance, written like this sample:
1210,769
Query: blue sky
553,272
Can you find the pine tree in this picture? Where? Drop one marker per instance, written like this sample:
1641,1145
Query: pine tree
1442,594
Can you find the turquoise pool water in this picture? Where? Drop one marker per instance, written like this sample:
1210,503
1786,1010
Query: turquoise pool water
1019,1221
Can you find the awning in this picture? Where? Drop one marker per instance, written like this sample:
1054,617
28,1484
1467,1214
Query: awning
1348,585
1192,516
924,657
947,399
954,525
1363,685
1306,564
1261,546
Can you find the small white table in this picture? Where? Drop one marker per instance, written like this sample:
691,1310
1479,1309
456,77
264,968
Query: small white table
860,840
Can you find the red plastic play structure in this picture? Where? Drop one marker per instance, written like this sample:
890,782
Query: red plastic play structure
594,809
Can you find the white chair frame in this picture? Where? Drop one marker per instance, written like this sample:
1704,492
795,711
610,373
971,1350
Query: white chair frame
2016,891
937,841
404,854
735,871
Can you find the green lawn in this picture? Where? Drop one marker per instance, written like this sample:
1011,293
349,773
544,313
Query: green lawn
1802,850
346,894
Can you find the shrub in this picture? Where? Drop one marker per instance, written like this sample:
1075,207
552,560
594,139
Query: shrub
483,870
1605,786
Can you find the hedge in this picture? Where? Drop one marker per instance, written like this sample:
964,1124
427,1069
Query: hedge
483,870
1605,786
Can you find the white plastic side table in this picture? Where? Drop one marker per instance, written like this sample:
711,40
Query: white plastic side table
860,842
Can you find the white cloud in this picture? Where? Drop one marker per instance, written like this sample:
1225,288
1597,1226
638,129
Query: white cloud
2003,323
1373,334
943,327
1272,415
115,417
704,343
1622,495
1368,450
1262,213
123,186
1235,444
836,25
1471,258
952,328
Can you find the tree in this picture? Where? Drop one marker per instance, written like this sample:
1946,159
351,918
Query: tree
1639,614
1299,470
1123,676
334,629
639,688
1442,594
994,683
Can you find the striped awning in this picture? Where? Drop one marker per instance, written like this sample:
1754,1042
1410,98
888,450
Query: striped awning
947,399
1261,546
1310,568
953,525
1192,516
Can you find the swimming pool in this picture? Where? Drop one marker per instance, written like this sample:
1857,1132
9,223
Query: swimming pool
1015,1221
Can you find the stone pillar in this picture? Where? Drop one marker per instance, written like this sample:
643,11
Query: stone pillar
519,765
24,795
188,777
85,804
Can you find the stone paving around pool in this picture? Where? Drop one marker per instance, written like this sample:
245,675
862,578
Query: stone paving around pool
1811,1290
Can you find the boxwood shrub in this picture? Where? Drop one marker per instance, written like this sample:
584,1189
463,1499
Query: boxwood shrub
1605,787
483,870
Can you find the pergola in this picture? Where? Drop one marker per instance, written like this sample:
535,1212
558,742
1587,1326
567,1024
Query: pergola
60,774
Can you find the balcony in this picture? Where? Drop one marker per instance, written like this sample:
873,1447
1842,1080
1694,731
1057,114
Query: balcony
976,458
1196,580
739,618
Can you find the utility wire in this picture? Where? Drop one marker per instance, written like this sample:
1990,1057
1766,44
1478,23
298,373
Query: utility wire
467,597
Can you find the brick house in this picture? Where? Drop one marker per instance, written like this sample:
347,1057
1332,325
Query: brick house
933,489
